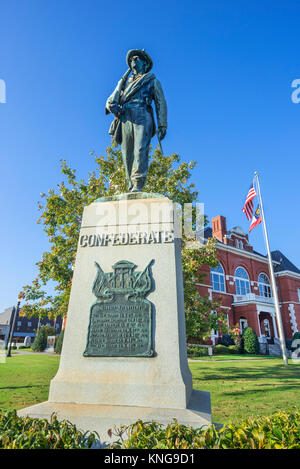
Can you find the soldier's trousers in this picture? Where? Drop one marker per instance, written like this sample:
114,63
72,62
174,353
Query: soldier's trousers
137,128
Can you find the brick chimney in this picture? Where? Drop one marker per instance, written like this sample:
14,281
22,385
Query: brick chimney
219,229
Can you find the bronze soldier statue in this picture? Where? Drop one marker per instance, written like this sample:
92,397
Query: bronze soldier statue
134,126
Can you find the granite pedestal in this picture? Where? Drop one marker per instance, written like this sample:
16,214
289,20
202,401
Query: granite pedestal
98,392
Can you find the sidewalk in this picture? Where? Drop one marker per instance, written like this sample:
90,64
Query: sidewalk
25,352
267,357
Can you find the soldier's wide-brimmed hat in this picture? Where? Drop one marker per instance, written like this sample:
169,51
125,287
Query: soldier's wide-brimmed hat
143,55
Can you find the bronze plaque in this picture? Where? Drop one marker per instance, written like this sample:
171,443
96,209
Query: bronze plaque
121,319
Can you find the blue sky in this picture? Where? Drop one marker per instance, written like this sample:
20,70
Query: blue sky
226,68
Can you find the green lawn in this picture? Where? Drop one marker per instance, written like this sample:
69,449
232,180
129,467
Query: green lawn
25,379
241,388
238,388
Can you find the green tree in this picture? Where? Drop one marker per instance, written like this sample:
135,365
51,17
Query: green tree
61,213
40,341
59,342
198,309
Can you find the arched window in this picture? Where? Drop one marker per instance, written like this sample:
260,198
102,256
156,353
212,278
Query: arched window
264,286
217,278
267,328
239,244
242,283
214,332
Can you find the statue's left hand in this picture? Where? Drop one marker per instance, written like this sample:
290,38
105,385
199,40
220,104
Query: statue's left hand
162,132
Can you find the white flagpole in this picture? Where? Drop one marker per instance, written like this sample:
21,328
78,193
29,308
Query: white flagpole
273,283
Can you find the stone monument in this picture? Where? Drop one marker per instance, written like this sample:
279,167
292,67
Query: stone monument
124,353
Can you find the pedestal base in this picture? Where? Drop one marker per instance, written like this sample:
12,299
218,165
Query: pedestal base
101,418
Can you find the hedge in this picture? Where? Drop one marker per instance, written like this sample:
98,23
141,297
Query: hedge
31,433
195,352
221,350
278,431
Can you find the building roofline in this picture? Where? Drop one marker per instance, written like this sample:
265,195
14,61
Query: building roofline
244,253
290,273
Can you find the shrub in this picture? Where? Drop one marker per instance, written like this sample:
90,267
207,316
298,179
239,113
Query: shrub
233,349
250,339
195,352
40,341
296,336
239,343
278,431
28,433
226,340
58,345
221,350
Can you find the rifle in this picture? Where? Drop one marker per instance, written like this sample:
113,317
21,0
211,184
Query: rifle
114,98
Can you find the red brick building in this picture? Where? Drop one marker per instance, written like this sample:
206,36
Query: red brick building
242,280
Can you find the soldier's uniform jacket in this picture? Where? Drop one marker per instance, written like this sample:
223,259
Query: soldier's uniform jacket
139,92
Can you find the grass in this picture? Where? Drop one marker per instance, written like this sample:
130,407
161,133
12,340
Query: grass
238,388
243,388
25,379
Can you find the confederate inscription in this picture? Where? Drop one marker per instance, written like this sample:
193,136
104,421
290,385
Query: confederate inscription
120,239
121,319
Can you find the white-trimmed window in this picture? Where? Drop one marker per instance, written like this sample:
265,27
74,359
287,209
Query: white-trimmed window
242,283
243,324
299,294
217,278
264,286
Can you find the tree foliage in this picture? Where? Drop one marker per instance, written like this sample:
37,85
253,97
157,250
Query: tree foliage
198,309
250,341
40,341
59,343
61,212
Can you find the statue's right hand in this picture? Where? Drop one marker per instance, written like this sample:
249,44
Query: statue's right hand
116,109
162,132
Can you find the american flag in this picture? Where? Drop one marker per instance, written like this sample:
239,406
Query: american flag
248,206
256,219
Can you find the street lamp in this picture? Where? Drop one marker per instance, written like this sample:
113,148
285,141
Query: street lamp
15,313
